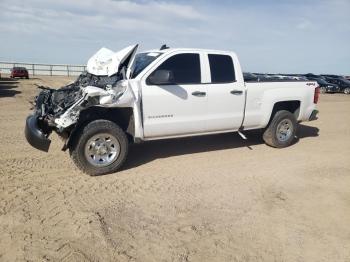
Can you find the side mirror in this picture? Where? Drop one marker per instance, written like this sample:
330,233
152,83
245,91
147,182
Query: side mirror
160,77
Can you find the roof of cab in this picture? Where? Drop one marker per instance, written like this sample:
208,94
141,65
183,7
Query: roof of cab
170,50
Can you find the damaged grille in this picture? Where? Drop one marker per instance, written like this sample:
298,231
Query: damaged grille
52,103
55,101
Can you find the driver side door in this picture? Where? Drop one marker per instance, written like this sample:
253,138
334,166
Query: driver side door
179,106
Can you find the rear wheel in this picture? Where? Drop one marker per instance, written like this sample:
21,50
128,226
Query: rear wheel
347,90
101,148
281,130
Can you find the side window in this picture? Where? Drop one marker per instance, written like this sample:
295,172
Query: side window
184,68
221,69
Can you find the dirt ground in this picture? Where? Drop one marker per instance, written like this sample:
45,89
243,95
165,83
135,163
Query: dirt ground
212,198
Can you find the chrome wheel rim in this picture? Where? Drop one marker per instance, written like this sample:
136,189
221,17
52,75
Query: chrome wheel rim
323,90
284,130
102,150
347,91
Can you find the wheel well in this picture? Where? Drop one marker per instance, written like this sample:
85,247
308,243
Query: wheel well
292,106
120,115
123,117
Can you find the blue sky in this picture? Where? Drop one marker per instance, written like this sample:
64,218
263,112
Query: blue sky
268,36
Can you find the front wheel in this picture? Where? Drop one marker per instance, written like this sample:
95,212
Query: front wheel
100,149
281,130
347,90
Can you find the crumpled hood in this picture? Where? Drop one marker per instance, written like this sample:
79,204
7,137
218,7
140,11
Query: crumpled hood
106,62
105,84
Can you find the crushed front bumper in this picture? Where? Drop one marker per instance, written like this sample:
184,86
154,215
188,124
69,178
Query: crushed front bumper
313,115
34,134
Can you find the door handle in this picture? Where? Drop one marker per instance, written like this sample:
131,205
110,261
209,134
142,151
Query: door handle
236,92
198,93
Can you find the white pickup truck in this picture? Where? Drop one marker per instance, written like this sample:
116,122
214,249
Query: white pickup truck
126,97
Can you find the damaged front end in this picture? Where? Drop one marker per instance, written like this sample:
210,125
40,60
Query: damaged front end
104,83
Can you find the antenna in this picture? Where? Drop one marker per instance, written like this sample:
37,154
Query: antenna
164,47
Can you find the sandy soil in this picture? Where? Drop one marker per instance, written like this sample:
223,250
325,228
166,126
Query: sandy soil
212,198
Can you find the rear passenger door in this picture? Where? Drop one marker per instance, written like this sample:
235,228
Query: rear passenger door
226,95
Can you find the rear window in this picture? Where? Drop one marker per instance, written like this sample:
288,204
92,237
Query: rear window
19,69
221,69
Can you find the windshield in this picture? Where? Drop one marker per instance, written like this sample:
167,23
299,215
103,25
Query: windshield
141,61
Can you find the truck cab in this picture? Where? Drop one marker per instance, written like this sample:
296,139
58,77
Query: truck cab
188,92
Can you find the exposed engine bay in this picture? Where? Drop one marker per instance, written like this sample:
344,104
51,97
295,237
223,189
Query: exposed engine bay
101,85
61,107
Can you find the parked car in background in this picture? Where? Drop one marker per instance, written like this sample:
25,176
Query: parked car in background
19,72
269,77
298,77
310,75
325,87
332,76
344,85
257,77
250,77
262,77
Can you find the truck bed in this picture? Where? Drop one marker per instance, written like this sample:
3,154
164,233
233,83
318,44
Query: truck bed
261,97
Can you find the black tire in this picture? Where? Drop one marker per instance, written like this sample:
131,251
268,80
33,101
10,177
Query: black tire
270,135
77,149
